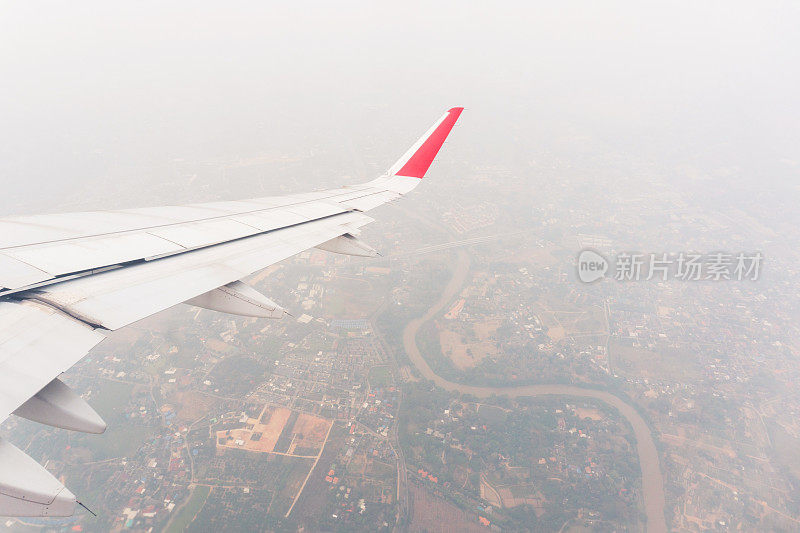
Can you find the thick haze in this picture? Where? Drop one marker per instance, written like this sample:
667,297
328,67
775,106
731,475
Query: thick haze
641,130
128,101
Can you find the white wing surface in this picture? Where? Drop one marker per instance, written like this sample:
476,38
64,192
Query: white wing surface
67,279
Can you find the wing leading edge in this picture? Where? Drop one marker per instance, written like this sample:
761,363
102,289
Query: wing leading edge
64,284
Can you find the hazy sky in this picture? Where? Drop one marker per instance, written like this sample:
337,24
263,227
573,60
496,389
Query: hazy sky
99,94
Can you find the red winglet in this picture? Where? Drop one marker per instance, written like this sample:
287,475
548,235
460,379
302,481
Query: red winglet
417,165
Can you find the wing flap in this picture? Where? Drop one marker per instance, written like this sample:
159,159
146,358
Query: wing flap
37,343
198,234
66,257
28,489
21,266
120,297
16,273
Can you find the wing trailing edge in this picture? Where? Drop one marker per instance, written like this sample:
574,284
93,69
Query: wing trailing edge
238,298
28,489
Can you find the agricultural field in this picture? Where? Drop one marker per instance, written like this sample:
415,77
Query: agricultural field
278,430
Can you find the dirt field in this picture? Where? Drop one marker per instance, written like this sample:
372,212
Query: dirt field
486,330
464,355
452,347
455,310
556,333
587,321
262,434
588,412
309,432
513,496
563,319
490,494
218,346
349,298
683,442
468,354
262,437
190,405
435,515
665,364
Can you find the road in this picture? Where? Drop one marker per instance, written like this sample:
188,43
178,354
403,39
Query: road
403,505
652,480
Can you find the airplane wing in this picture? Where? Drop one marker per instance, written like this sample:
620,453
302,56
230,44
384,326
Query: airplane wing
67,279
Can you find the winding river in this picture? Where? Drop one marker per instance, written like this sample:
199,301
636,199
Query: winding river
652,481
